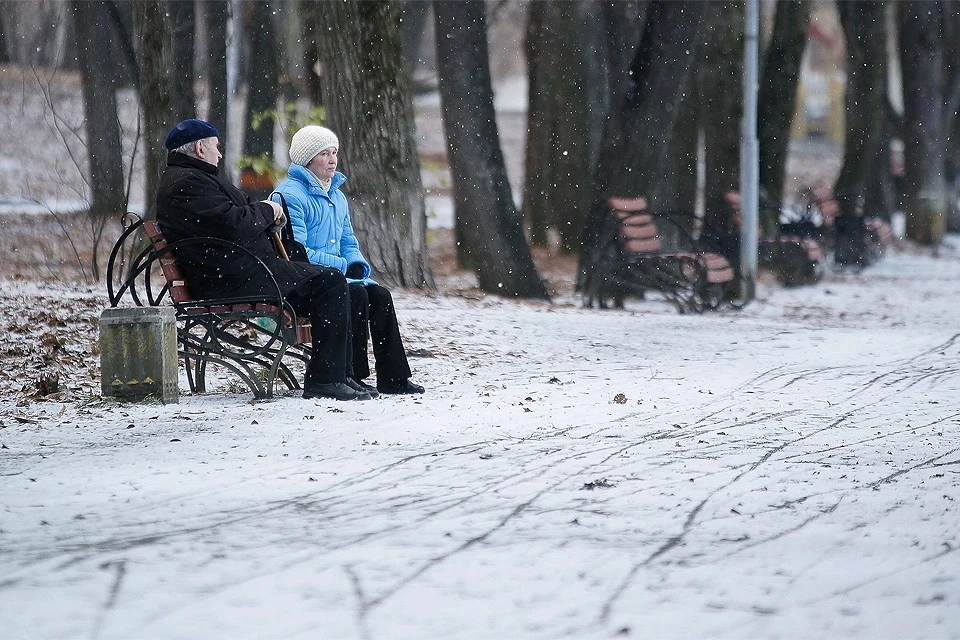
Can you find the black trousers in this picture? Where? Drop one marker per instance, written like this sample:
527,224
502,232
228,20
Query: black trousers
372,314
326,301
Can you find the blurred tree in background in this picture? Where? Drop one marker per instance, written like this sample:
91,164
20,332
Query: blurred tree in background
489,232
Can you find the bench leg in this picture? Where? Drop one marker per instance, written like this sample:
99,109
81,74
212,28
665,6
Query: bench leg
199,350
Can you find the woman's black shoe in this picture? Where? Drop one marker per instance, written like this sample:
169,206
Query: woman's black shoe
397,387
335,390
363,387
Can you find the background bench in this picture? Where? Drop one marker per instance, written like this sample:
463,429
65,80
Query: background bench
795,260
248,335
856,240
793,257
650,251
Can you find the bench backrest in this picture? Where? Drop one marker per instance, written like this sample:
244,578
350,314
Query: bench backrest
636,228
179,292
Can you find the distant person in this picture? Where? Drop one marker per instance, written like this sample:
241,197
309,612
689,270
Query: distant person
193,201
320,221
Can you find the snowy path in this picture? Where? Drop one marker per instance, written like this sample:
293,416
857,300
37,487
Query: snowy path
791,471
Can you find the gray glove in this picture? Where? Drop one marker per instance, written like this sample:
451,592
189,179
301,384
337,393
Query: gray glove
278,224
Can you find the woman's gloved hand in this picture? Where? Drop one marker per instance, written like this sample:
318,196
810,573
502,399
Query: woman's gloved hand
355,271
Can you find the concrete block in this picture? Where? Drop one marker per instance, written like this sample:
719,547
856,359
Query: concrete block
138,353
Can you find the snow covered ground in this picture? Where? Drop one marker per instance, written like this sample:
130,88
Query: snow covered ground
788,471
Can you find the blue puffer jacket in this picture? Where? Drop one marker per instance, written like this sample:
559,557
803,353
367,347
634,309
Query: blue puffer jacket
320,221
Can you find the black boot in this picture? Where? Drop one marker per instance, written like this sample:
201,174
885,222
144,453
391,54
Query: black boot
397,387
335,390
362,386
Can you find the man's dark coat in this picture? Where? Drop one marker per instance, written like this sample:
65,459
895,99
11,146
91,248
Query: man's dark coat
193,201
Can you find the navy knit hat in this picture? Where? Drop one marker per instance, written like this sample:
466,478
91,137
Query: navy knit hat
190,131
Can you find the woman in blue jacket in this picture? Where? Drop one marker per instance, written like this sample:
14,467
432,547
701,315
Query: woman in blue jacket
320,221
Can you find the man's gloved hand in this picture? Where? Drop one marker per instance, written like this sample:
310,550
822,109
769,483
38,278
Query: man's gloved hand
278,223
355,271
279,218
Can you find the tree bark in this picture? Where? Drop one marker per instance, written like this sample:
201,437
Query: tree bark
640,131
568,104
104,151
921,51
951,127
625,20
488,224
370,109
262,90
314,81
155,61
720,87
639,140
123,53
540,115
217,17
777,99
182,27
686,148
415,16
5,34
864,29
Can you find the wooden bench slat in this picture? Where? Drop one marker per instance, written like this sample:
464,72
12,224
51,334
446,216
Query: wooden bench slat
641,245
627,204
179,293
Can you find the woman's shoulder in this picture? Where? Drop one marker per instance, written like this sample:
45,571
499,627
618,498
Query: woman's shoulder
294,189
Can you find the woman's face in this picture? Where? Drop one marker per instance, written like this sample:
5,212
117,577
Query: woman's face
324,164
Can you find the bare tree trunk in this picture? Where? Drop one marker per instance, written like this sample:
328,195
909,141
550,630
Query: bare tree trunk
951,39
415,22
921,51
182,27
639,140
5,34
102,127
312,17
488,225
567,109
263,88
369,107
686,148
625,20
720,85
540,114
640,131
155,57
262,84
778,92
865,33
217,17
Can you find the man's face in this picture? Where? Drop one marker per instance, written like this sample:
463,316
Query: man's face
324,164
208,150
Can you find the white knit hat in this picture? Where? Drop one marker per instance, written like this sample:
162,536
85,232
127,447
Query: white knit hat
310,141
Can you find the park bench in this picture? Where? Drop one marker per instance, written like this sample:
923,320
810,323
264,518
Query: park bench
857,240
650,251
794,258
248,335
